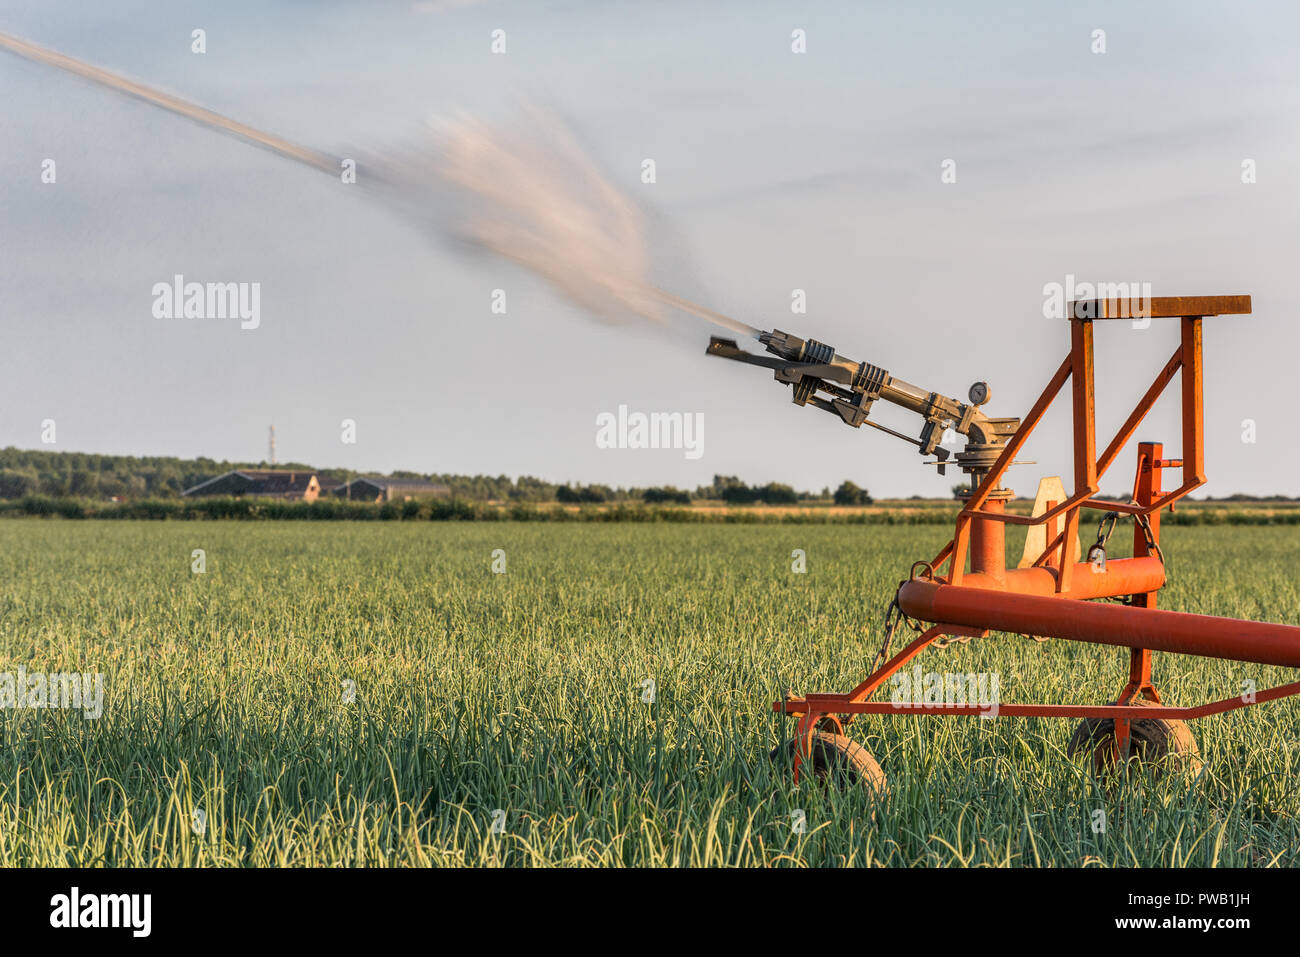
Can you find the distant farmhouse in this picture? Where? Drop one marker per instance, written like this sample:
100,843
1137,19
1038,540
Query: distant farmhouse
373,489
292,485
308,486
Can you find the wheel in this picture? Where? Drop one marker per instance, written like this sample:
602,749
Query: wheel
1160,742
837,760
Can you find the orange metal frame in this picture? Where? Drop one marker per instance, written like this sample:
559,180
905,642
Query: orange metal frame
1049,598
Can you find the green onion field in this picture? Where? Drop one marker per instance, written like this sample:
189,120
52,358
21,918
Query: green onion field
344,694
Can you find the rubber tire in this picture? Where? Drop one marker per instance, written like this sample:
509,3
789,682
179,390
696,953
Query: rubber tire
1152,741
838,760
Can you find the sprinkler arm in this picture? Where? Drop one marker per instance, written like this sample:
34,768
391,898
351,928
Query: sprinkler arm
822,378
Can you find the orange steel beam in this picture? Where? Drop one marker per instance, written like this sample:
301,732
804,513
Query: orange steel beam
1169,498
1085,441
1052,546
907,654
1159,307
1145,463
943,555
1193,398
1128,508
1124,508
838,703
1077,500
1146,488
874,681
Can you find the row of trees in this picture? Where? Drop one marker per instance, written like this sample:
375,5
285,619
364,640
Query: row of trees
83,475
726,488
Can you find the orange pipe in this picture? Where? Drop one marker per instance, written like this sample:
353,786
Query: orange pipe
1107,624
1123,576
988,543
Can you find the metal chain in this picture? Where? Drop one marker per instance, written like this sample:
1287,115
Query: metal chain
894,616
952,640
1105,529
1143,522
1104,533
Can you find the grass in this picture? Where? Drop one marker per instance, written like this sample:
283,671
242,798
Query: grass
522,693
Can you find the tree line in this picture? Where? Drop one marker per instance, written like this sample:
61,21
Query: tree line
85,475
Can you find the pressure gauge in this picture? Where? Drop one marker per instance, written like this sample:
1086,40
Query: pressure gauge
979,393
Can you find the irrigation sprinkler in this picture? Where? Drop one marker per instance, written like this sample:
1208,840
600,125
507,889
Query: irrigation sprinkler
966,590
1051,592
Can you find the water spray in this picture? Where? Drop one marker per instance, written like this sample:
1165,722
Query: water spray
544,207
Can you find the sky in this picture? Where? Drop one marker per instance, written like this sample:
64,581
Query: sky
775,171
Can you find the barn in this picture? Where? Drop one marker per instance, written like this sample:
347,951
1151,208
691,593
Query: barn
288,484
374,489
